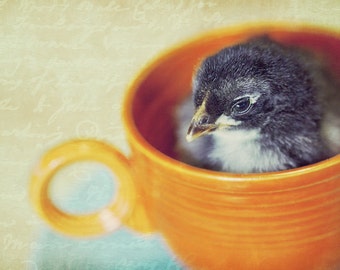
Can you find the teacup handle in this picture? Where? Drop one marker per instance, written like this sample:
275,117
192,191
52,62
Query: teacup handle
125,208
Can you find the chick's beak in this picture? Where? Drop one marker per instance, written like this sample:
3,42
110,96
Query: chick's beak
201,124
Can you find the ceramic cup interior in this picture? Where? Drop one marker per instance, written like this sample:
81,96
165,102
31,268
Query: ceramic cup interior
161,88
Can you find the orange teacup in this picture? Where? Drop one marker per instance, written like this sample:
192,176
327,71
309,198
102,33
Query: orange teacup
211,220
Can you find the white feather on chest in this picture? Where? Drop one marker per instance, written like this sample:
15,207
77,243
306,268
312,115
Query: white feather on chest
239,151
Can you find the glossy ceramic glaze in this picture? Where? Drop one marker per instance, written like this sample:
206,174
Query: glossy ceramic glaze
212,220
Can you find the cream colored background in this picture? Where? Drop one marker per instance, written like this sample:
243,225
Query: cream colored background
64,69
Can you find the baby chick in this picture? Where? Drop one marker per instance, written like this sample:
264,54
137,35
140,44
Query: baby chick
260,106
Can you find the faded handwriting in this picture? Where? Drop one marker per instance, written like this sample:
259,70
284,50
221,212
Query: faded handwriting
61,25
7,104
74,105
10,85
27,132
108,7
87,129
41,105
11,241
62,6
40,82
78,43
206,4
27,7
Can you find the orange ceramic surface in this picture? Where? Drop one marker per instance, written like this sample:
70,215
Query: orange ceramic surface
212,220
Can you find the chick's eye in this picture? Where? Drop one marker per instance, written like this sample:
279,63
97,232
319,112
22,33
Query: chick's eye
241,107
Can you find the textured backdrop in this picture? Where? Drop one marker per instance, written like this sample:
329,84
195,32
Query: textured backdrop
64,68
